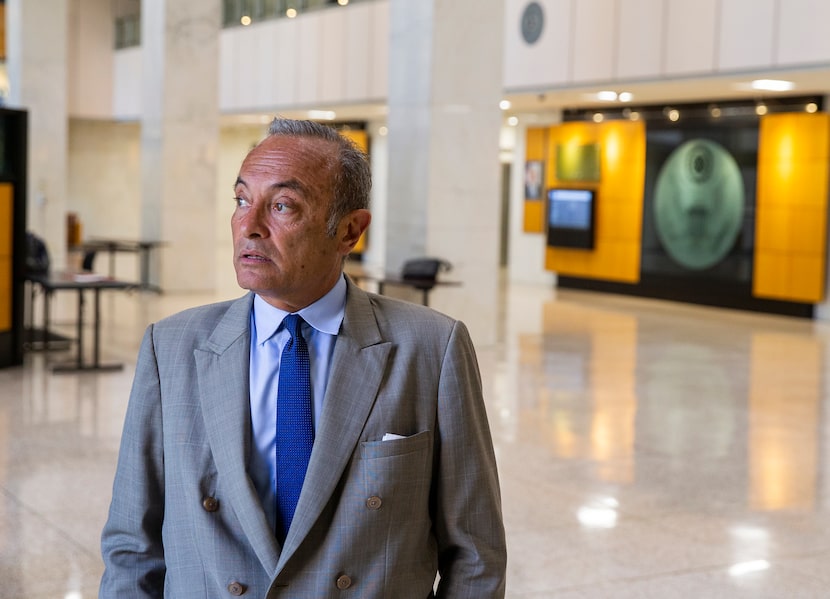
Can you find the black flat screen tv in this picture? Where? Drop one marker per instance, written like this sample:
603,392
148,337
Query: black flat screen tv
571,218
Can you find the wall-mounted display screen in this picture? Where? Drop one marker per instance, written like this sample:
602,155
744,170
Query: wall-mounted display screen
571,217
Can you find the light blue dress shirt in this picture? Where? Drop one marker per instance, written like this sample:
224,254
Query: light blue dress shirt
323,319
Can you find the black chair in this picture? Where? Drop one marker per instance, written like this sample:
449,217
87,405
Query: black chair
89,260
422,273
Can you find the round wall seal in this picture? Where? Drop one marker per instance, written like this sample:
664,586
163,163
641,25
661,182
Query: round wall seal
533,21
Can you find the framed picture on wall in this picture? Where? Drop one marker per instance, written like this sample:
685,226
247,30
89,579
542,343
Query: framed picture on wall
534,171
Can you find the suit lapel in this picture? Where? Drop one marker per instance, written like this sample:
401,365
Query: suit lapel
222,365
358,364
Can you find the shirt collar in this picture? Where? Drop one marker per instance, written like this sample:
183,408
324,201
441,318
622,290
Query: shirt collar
325,315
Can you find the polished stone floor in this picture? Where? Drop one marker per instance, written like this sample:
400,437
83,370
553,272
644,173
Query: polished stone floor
646,449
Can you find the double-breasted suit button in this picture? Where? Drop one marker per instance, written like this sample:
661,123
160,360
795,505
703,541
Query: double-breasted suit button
343,582
374,502
211,504
237,588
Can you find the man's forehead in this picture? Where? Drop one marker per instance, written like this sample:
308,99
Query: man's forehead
301,149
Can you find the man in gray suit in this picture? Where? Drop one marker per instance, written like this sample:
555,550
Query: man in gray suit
400,497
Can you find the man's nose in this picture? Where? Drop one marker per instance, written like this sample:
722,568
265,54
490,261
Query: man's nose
253,223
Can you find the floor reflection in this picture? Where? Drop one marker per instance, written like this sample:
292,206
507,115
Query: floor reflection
646,449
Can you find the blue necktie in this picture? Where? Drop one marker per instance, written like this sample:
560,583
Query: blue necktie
295,431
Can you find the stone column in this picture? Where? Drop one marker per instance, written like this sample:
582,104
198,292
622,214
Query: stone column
36,35
179,139
445,83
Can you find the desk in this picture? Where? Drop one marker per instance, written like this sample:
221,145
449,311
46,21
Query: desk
79,282
424,285
142,248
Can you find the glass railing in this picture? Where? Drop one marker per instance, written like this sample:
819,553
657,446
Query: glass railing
128,32
235,13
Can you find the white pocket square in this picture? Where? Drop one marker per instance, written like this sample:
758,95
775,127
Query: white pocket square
392,437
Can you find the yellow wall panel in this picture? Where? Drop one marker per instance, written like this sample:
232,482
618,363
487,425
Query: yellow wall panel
792,184
791,207
619,216
5,294
361,140
804,285
534,217
535,143
799,137
770,274
6,233
534,210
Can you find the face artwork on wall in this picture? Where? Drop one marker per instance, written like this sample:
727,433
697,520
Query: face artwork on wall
699,203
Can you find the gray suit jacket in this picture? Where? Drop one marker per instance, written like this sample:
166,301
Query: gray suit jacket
376,519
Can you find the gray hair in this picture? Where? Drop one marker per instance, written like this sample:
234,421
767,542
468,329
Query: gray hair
353,177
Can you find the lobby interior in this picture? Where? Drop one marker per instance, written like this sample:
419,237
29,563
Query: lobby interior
646,448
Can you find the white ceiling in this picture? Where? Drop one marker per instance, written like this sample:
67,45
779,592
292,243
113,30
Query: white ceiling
544,104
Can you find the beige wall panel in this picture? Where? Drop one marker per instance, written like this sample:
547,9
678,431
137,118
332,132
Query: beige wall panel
690,36
261,86
357,39
90,64
594,43
227,74
640,44
126,82
307,54
803,32
333,55
379,76
738,50
285,62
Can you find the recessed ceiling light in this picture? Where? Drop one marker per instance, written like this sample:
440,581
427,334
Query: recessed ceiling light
811,107
291,13
505,104
245,20
598,117
322,115
607,96
772,85
625,97
513,121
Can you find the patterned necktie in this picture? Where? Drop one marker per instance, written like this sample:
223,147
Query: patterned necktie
295,431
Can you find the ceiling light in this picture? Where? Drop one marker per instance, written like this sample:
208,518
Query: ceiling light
598,117
291,13
674,115
245,20
505,104
382,130
715,112
342,2
322,115
607,96
772,85
761,109
811,107
513,121
625,97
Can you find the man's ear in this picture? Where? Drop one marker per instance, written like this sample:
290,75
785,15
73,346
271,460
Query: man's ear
352,227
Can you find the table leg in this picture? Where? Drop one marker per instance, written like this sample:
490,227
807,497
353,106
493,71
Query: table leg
80,341
96,340
79,365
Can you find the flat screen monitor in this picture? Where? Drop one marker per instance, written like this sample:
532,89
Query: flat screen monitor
571,218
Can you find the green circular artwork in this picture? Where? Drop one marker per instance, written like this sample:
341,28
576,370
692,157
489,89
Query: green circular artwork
699,203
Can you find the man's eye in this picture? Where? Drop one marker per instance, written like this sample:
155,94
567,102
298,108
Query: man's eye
240,202
278,207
